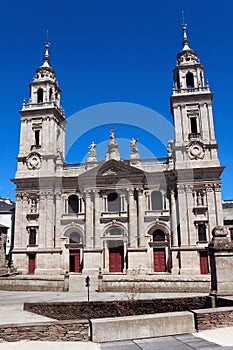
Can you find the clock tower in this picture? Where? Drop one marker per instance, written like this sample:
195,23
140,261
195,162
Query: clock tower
38,178
196,163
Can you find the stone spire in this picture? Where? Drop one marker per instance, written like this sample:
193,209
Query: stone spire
46,58
185,38
186,56
44,87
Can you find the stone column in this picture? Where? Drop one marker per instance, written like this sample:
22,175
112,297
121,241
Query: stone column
49,227
211,206
58,213
25,211
18,222
42,222
97,211
218,202
174,232
141,214
190,215
183,215
88,220
132,220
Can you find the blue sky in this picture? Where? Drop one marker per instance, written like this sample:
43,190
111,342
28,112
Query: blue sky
113,51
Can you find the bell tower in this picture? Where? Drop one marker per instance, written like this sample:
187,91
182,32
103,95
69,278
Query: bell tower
42,124
39,176
191,107
197,188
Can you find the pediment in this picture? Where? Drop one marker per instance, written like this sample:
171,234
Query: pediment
111,172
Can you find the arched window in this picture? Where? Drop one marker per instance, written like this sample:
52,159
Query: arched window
40,95
156,200
73,204
189,80
115,231
75,237
114,203
50,94
158,236
178,81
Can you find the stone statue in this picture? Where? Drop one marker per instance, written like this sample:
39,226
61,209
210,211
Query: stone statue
92,148
170,148
112,134
33,206
133,145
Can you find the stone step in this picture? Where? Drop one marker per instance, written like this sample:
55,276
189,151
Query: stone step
77,283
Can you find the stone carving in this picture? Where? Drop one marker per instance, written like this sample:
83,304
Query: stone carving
33,161
112,152
170,148
134,150
110,172
196,150
92,152
33,206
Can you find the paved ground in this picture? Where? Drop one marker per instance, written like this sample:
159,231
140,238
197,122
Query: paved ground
11,311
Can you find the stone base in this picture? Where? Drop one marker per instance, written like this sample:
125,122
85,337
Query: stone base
143,326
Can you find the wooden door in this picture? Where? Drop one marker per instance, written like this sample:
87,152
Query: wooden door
159,260
75,261
116,259
31,263
204,266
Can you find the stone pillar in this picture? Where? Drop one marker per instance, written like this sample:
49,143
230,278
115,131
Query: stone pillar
97,211
58,213
25,211
132,220
18,221
190,216
88,220
49,227
218,202
221,262
141,214
174,232
211,206
183,215
42,222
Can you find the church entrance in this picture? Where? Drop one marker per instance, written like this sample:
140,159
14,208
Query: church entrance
159,260
75,261
116,259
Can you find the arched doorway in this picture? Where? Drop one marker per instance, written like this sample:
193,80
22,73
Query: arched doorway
74,246
159,252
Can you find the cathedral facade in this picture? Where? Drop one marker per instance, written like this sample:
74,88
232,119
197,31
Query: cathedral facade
152,215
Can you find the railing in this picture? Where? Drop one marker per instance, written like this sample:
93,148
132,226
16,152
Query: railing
188,90
78,165
194,136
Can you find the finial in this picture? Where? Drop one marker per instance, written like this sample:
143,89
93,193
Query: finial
46,58
185,38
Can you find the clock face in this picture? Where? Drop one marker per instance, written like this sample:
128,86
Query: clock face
33,161
196,150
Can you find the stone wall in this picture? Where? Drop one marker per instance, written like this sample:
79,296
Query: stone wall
100,309
49,331
59,283
213,318
154,284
